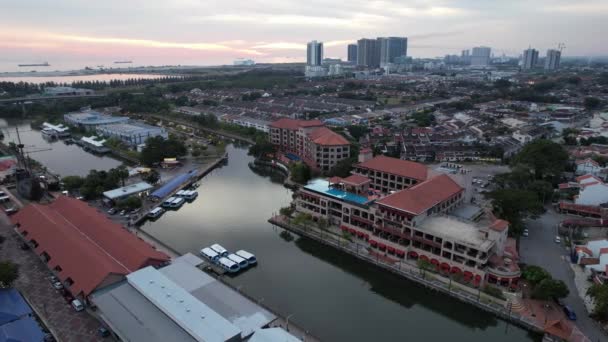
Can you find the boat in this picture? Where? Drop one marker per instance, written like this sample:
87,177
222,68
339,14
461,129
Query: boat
34,64
210,254
49,133
187,194
247,256
156,212
228,265
177,202
219,249
243,263
123,62
169,202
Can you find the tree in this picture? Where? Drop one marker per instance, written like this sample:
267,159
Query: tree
599,293
514,205
546,158
261,147
196,152
357,131
300,173
342,168
591,103
535,274
122,173
9,272
158,148
72,183
424,265
129,203
152,177
550,288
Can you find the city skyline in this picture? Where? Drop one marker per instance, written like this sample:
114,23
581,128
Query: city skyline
211,32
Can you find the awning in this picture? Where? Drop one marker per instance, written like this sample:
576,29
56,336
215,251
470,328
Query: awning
381,245
344,228
468,274
360,234
399,252
424,257
390,249
491,276
445,266
353,231
455,270
366,236
413,254
373,243
477,278
434,261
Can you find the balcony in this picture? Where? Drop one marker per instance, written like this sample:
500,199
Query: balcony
502,271
392,231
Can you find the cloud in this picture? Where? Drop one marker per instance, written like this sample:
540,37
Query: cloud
591,8
355,20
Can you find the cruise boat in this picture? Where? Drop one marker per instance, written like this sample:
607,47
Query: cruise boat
169,202
210,254
49,133
247,256
243,263
219,249
156,212
190,194
177,202
228,265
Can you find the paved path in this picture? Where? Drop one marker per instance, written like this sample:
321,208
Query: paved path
65,323
540,249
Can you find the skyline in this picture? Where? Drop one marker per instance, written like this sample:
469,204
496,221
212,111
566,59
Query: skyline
212,32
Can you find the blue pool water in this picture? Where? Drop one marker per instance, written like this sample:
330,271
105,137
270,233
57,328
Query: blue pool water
322,186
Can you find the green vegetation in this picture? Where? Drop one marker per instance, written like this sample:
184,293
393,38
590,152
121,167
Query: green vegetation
342,168
599,293
158,149
493,291
423,119
302,219
262,147
546,158
514,205
287,211
129,203
424,266
300,172
9,272
151,177
591,103
96,182
543,285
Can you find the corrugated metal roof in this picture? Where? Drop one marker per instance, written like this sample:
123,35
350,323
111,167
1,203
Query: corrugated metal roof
173,184
127,190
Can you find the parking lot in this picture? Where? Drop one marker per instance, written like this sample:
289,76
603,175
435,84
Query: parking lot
54,310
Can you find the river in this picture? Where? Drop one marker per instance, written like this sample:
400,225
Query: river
76,78
58,157
335,296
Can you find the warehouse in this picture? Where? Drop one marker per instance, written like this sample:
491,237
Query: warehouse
132,133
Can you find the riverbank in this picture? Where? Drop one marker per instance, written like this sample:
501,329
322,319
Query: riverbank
433,281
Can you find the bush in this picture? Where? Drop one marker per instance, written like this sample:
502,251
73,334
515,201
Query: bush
129,203
493,291
286,211
9,272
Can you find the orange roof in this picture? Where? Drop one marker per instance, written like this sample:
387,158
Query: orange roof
588,160
603,251
584,250
499,225
397,167
356,179
294,124
87,246
327,137
423,196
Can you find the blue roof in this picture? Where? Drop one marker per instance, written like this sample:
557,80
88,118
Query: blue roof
21,330
173,184
322,186
12,305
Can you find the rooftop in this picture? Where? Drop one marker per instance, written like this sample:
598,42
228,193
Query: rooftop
423,196
127,190
397,167
325,136
94,118
130,128
322,186
457,230
294,124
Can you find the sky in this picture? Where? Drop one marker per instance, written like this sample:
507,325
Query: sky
212,32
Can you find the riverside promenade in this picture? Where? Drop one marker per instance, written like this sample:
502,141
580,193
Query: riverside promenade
433,281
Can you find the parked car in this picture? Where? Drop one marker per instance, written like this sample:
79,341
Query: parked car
123,212
57,285
570,313
24,246
526,232
11,211
112,211
77,305
103,332
558,239
559,301
53,279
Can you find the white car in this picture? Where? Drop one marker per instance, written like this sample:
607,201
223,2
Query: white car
77,305
525,233
558,239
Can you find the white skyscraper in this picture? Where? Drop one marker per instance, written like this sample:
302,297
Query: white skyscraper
530,59
552,60
480,56
314,53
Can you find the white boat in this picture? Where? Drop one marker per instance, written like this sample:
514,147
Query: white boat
156,212
187,194
210,254
228,265
243,263
177,202
247,256
219,249
168,203
49,133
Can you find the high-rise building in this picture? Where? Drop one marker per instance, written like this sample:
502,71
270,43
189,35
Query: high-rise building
480,56
314,53
391,48
552,60
368,52
530,59
352,53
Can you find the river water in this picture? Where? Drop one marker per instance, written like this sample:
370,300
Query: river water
334,295
58,157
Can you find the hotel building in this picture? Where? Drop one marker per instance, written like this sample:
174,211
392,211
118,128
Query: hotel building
402,209
309,141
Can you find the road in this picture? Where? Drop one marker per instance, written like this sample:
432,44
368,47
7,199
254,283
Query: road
540,249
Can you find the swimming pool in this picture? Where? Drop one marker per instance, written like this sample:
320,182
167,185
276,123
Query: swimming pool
322,186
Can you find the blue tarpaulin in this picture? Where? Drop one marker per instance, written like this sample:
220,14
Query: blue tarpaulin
173,184
16,321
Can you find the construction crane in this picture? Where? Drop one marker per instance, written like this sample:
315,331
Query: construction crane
561,47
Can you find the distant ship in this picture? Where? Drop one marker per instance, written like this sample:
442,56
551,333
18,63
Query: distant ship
38,64
123,62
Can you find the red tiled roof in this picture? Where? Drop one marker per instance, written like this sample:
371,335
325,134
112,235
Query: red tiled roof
325,136
588,160
397,167
294,124
584,250
603,251
499,225
356,179
7,164
85,243
587,176
423,196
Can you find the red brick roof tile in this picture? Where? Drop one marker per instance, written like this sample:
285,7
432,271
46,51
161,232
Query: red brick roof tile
294,124
397,167
327,137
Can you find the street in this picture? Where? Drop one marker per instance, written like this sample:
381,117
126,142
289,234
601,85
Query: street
539,248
